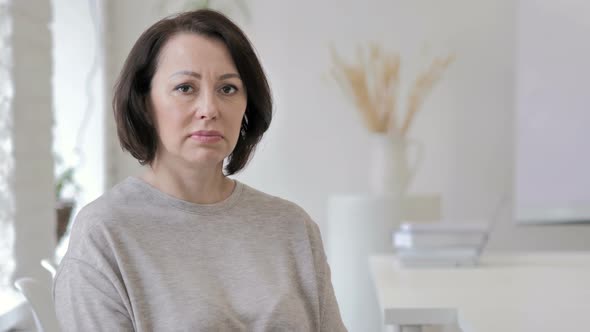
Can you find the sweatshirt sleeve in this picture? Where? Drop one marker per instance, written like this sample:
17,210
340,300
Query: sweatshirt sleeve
86,300
330,319
88,293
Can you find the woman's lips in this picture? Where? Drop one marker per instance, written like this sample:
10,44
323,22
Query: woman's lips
207,136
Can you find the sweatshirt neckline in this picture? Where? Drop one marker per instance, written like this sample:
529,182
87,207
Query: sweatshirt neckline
195,208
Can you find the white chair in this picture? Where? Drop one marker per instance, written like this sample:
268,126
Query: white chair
38,295
50,266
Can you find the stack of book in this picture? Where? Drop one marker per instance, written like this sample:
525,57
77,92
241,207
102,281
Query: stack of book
439,244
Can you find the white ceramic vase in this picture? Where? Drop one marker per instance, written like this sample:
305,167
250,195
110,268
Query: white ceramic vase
390,169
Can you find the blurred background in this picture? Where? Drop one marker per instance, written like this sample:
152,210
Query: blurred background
493,95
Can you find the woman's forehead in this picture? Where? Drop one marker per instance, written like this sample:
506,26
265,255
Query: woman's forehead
190,51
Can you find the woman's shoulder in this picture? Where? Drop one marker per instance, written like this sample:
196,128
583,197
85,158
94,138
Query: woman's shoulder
286,212
112,206
278,209
258,200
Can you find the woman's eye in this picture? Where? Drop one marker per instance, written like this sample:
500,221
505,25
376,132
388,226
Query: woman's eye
184,88
228,89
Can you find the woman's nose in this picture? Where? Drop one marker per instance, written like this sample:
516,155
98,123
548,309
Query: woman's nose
207,107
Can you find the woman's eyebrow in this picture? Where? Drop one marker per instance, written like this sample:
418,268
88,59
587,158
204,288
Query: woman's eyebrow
198,76
188,73
230,75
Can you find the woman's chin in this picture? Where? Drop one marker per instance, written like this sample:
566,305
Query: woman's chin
208,160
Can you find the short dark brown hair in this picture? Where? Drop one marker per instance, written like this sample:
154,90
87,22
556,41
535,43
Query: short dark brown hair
135,125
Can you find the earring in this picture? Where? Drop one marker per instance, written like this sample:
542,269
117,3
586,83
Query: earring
244,126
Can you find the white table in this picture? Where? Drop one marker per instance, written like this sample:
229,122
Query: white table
536,292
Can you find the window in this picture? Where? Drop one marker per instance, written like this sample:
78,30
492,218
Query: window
7,296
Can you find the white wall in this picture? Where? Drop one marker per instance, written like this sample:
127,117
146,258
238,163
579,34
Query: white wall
553,112
317,146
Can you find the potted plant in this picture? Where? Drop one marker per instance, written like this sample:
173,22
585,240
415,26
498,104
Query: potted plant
66,189
373,84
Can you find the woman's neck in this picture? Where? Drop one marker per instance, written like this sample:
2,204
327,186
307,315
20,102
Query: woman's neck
202,186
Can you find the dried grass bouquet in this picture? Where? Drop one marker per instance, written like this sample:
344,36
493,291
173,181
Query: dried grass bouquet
373,84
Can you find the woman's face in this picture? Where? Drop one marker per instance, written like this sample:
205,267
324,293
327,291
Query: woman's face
198,101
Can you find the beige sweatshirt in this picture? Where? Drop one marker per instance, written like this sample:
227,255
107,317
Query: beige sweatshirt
141,260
